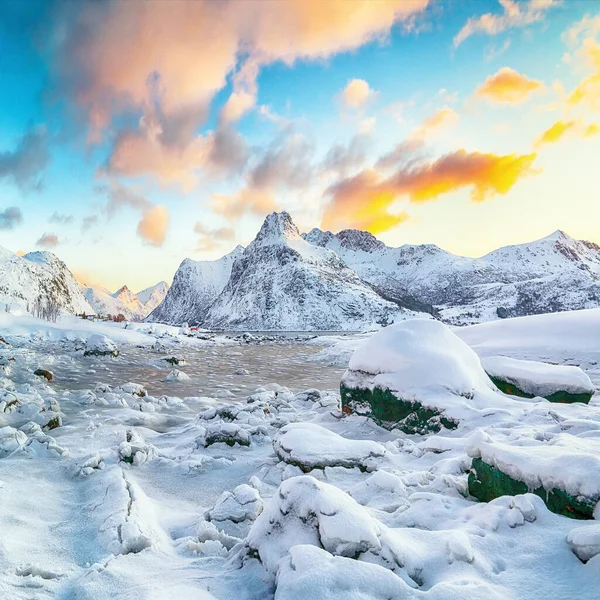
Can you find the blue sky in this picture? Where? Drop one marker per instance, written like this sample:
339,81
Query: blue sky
132,137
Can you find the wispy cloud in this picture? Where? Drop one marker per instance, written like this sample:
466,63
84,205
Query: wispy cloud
153,226
48,240
514,15
25,164
10,217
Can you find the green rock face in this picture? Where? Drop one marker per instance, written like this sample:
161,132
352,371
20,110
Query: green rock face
561,396
486,482
392,412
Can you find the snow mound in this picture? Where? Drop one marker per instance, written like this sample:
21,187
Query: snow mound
585,541
307,511
176,375
538,378
99,345
310,572
311,446
420,354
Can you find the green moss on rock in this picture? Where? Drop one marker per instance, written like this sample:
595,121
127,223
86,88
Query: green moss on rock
392,412
562,397
487,482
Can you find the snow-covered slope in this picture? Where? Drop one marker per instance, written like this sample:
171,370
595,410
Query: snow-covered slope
152,296
553,274
38,275
195,287
283,282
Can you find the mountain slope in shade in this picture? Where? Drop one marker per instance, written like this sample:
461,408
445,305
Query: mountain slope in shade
195,287
39,275
283,282
552,274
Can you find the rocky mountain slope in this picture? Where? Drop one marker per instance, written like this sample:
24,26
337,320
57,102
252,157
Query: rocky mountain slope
281,281
195,287
38,275
553,274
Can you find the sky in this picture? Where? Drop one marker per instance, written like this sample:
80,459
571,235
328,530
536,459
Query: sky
136,134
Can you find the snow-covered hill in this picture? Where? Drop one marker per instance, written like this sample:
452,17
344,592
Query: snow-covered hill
553,274
195,287
38,275
283,282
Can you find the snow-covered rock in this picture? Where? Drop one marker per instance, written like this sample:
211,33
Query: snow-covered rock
195,287
585,541
559,383
310,446
307,511
416,375
99,345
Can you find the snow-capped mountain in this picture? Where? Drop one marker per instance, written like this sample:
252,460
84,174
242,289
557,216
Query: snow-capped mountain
281,281
38,275
195,287
124,301
548,275
152,296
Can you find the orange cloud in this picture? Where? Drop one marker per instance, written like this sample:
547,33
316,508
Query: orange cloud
438,121
515,14
561,128
167,60
554,133
153,225
366,199
357,94
588,90
508,86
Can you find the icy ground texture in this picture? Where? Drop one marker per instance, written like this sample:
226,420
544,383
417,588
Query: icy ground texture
126,499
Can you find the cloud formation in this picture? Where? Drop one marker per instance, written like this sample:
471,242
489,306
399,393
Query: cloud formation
25,164
165,61
508,86
48,240
365,200
357,94
10,217
212,239
60,219
153,226
514,14
561,128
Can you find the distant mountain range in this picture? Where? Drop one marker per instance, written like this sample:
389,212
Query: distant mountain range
285,280
321,280
134,307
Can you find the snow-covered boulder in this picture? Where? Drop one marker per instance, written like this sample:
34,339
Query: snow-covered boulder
585,541
310,446
176,375
226,433
527,378
307,511
135,451
417,376
564,472
236,510
99,345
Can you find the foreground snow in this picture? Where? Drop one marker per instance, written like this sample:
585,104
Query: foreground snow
280,495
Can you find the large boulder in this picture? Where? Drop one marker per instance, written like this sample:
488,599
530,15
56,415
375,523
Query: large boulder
99,345
564,472
528,379
417,376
